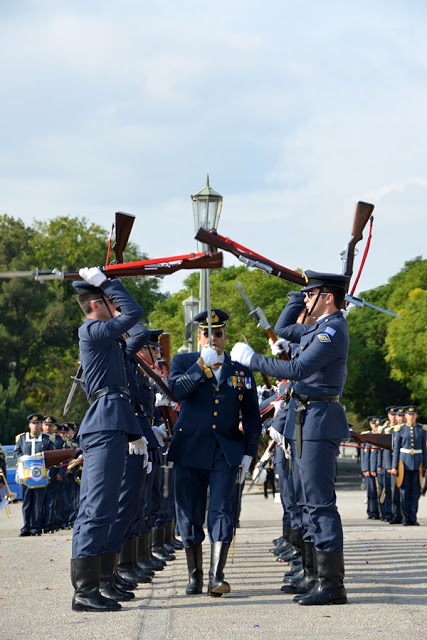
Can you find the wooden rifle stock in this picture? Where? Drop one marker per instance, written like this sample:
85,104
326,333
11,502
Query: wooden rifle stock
362,214
58,456
248,257
124,224
382,440
165,343
156,380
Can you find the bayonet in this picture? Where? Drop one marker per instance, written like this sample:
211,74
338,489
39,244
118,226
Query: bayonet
361,302
77,379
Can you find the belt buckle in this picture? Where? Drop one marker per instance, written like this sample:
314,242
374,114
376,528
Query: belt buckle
412,452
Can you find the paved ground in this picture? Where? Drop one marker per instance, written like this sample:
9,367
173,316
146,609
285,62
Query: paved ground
386,577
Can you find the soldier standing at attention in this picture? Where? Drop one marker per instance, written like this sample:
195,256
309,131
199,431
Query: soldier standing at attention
409,448
108,430
208,447
29,444
367,472
316,424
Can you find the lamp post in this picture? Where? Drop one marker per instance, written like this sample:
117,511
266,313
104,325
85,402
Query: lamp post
191,307
207,205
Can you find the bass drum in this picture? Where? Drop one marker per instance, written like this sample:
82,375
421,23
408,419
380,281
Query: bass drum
32,471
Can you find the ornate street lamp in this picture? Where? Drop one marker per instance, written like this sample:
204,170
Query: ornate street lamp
207,205
191,307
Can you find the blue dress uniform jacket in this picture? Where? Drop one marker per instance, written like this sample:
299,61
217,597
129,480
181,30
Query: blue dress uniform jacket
32,499
409,445
318,368
211,411
101,356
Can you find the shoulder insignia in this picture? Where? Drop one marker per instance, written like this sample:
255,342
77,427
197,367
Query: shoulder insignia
331,331
398,427
323,337
19,435
424,426
388,429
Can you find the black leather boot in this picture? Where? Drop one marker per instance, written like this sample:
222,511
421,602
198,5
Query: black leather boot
217,585
126,567
329,587
85,580
121,583
157,548
107,588
168,546
155,563
142,555
308,579
286,532
195,569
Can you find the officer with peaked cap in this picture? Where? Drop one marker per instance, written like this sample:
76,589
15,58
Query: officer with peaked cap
316,421
208,447
107,430
30,443
409,448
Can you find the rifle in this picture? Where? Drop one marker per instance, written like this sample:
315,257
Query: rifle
382,440
124,224
362,214
248,257
58,456
153,267
168,414
76,381
258,314
148,372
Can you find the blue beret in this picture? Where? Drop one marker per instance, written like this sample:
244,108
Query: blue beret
218,318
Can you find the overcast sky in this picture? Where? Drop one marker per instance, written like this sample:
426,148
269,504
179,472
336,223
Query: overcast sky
296,109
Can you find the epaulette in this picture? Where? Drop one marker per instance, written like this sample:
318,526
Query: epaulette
424,426
398,427
51,437
19,435
362,432
388,429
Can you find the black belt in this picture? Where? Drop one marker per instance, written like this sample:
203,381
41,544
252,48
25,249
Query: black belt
106,390
306,399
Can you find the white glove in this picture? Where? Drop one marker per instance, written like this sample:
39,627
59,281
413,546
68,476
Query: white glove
278,347
277,404
174,405
161,400
275,435
210,355
287,450
93,275
244,467
159,435
242,352
149,467
138,447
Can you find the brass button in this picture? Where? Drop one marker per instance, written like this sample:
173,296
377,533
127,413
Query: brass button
217,389
214,426
179,429
121,395
215,413
216,401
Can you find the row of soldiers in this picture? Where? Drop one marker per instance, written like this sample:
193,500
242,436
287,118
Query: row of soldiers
393,478
53,504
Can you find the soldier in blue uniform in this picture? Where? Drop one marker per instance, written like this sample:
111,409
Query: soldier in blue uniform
316,422
107,430
409,448
369,471
208,447
28,444
50,518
